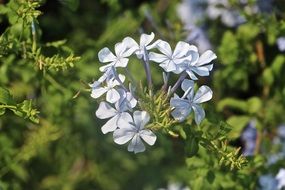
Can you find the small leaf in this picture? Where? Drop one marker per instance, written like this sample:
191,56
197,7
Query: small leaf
237,123
254,105
6,97
278,64
192,146
232,103
268,77
210,176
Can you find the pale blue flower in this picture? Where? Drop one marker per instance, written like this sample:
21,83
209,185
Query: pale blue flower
280,177
281,131
184,106
120,59
106,111
144,44
169,59
127,100
281,43
223,9
199,65
133,129
267,182
249,136
109,74
112,95
198,36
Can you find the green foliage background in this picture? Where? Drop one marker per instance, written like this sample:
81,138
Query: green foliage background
49,136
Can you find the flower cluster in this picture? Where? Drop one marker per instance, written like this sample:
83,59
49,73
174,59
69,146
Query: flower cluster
122,104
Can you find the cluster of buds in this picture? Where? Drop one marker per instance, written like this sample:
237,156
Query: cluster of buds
127,107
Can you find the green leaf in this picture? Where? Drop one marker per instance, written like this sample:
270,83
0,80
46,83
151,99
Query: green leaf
237,123
2,111
25,110
232,103
268,77
210,176
228,50
195,162
277,65
192,146
254,105
248,31
6,97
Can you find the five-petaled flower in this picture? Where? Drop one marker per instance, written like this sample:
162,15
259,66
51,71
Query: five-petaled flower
133,129
112,95
105,111
144,45
199,65
122,51
183,107
168,60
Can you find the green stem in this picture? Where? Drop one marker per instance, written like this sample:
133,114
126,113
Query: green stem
8,106
54,83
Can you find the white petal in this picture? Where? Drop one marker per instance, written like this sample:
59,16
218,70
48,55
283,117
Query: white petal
194,55
203,94
112,96
191,74
110,125
209,67
108,74
114,82
106,67
148,136
97,92
105,111
122,136
122,77
180,68
105,55
201,71
182,108
141,118
123,62
145,39
168,66
206,57
95,84
125,121
133,102
199,113
136,145
153,45
164,48
193,49
181,114
181,49
179,103
131,46
120,48
157,57
186,84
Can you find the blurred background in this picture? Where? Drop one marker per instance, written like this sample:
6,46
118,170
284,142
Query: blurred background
48,53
